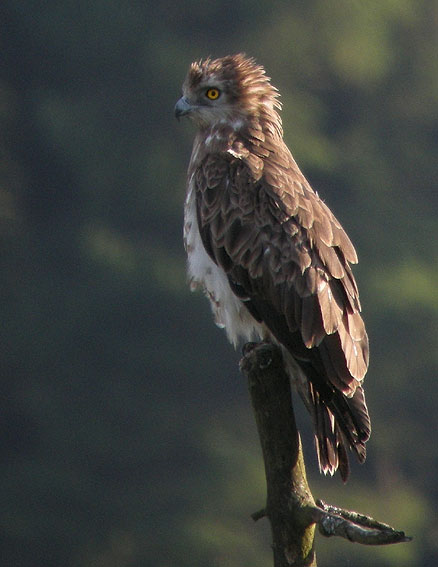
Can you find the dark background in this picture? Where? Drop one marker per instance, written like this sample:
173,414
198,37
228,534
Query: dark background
126,434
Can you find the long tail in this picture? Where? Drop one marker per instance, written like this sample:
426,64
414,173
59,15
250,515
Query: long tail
340,424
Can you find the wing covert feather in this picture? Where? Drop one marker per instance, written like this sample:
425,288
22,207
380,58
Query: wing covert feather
294,254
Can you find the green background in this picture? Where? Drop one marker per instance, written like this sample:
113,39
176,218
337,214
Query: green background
126,432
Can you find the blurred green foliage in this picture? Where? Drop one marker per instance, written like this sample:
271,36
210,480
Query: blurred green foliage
125,430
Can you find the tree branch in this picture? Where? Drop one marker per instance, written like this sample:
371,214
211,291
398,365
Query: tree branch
290,506
358,528
289,502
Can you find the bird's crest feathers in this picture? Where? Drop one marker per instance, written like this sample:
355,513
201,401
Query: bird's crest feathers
246,83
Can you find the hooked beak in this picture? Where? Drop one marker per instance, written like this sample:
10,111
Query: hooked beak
182,107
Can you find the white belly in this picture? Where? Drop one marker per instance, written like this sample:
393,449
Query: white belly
228,310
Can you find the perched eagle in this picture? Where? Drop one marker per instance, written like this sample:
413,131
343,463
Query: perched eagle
270,255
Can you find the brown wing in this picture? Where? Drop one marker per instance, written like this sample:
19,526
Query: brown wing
288,259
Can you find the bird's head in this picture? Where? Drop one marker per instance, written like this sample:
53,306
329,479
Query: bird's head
233,88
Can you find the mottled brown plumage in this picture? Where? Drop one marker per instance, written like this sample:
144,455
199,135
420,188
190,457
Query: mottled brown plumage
269,254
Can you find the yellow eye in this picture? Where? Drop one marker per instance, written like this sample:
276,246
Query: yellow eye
212,93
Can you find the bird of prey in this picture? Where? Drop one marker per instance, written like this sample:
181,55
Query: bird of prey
269,254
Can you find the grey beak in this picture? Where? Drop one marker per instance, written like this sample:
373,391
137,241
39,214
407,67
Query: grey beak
182,107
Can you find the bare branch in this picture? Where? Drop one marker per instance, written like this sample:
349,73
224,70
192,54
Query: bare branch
358,528
290,507
289,500
259,515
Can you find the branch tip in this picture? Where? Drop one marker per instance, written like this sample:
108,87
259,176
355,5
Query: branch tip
259,514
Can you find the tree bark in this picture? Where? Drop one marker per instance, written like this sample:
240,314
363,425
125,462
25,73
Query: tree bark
289,500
